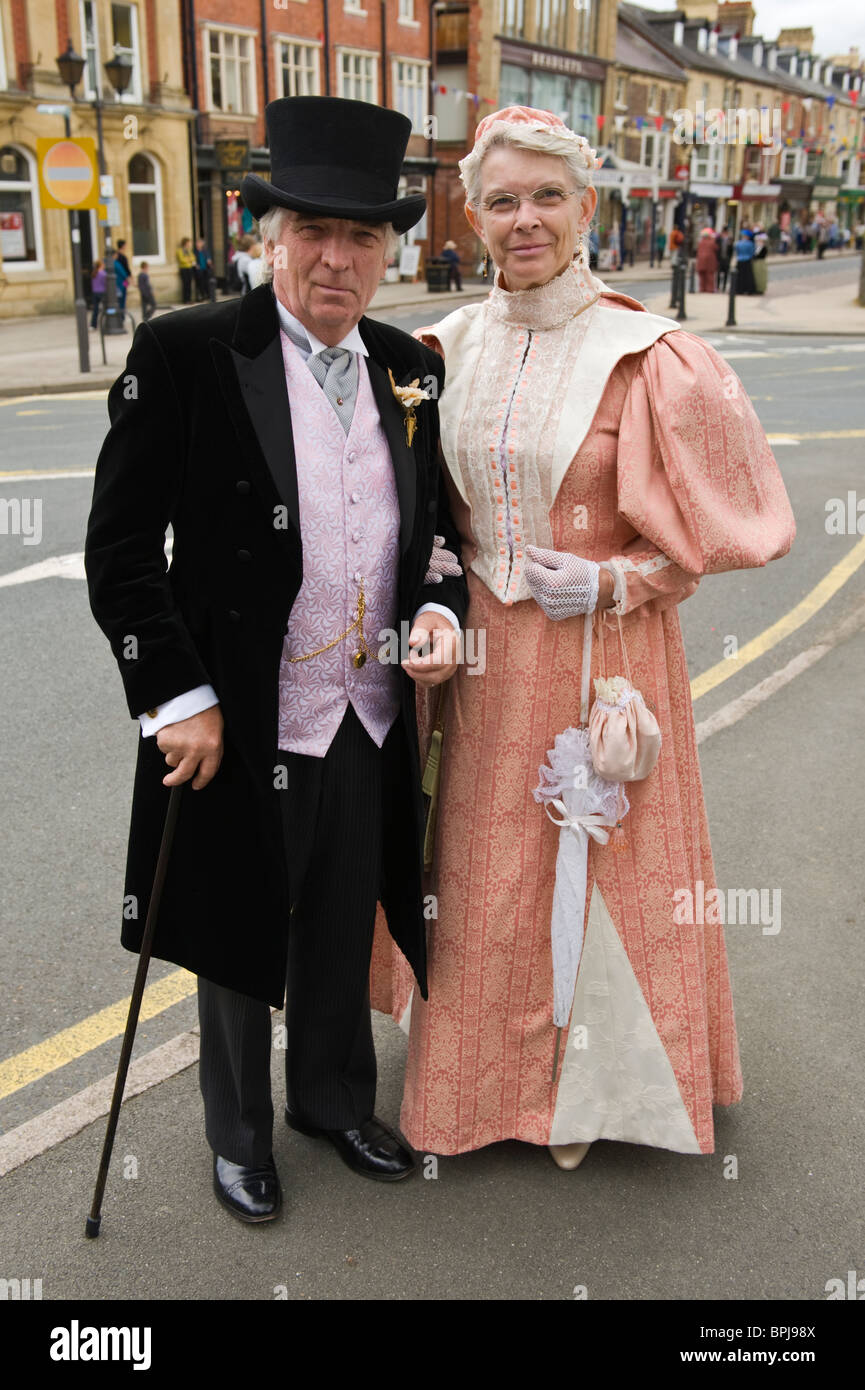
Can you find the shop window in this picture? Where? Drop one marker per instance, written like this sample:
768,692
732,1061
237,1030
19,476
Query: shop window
20,226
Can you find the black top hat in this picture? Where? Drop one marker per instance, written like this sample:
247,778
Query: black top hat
335,158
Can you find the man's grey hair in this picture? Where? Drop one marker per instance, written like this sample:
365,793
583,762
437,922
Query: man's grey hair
271,223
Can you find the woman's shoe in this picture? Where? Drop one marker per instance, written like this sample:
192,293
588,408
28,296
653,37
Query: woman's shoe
569,1155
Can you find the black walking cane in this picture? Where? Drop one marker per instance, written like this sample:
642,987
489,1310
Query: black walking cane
94,1220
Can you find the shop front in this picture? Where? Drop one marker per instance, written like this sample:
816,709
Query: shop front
572,87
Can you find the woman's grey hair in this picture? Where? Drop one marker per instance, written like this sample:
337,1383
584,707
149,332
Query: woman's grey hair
541,141
271,223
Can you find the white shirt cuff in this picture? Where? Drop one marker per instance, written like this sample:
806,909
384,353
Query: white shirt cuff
181,707
438,608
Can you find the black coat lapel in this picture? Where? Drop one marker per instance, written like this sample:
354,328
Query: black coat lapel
252,374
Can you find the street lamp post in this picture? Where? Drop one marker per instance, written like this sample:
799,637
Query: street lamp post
50,109
71,66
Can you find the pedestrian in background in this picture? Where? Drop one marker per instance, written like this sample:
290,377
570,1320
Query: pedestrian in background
145,290
121,259
660,244
630,243
122,275
760,262
452,256
203,271
97,290
707,261
241,263
725,252
745,263
186,263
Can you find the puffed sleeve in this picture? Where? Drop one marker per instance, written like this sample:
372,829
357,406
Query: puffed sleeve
696,477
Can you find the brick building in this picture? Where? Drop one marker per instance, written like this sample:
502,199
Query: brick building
240,54
145,141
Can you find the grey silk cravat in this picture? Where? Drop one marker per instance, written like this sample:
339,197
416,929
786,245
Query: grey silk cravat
335,370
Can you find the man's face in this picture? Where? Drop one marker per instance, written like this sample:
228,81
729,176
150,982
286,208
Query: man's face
326,270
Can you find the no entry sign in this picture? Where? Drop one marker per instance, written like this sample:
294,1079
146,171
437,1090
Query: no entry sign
68,173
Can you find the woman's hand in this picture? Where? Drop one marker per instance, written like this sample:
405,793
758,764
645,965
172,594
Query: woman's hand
566,585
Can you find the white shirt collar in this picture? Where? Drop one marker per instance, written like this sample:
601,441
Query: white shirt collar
352,340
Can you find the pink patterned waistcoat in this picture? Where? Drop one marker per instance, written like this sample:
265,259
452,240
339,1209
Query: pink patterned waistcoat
349,521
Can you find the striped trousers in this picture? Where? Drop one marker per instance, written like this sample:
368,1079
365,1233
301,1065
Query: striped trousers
334,809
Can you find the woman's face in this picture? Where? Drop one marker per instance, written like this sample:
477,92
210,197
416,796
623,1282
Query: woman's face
532,244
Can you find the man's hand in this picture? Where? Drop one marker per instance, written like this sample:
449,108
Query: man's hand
442,660
193,747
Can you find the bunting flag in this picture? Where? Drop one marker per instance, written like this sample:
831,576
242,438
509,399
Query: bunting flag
600,120
659,123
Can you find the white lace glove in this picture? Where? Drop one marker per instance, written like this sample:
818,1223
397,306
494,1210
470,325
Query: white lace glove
564,585
441,562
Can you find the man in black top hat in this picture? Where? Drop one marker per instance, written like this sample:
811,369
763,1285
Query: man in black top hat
280,855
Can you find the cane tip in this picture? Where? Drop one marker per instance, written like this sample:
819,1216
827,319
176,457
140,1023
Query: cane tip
91,1228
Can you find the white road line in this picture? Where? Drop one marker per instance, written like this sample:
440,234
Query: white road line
17,474
53,1126
736,709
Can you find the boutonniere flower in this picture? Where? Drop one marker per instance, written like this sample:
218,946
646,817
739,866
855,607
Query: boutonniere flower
409,398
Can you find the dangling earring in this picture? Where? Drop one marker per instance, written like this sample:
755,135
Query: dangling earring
487,262
581,255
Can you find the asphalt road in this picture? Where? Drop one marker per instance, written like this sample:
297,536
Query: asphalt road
783,788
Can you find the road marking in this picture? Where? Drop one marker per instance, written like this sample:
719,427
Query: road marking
70,1043
55,472
731,713
98,395
44,1131
776,439
32,412
771,636
820,434
56,567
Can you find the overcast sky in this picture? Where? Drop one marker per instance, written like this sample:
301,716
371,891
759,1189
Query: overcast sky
836,23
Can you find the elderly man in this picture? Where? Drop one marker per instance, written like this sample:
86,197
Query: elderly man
291,443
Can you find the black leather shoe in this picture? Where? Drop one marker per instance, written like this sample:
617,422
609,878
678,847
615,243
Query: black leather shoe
250,1194
373,1150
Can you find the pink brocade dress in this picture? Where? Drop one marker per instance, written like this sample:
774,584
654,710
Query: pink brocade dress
672,480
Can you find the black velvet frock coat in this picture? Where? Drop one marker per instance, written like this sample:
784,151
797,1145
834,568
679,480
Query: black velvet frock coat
201,439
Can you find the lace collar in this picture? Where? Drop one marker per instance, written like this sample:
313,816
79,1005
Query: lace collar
546,306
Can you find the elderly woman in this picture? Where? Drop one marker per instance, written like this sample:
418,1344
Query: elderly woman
599,458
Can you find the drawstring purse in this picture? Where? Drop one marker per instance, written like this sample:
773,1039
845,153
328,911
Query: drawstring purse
624,737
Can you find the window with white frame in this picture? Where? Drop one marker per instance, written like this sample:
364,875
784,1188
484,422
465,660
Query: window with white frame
20,225
298,68
231,70
406,11
145,208
792,164
358,75
653,107
410,87
356,5
124,36
622,91
708,164
655,151
706,97
90,50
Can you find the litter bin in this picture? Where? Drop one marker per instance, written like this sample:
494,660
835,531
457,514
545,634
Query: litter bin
436,274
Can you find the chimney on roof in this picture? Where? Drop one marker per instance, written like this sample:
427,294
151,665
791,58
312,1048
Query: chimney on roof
679,33
772,60
713,40
757,54
702,40
733,46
